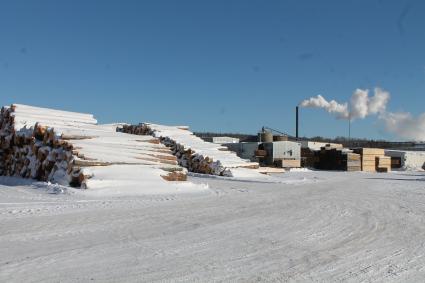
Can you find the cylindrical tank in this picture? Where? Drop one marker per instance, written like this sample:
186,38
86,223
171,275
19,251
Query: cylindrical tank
265,137
280,138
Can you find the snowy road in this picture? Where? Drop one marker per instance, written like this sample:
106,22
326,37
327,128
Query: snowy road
313,227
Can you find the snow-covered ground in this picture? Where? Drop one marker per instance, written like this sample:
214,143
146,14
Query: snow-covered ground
299,226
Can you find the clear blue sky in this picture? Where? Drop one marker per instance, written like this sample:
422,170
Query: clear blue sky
213,65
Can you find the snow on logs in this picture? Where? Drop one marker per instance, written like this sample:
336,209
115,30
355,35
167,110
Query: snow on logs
66,147
31,149
192,152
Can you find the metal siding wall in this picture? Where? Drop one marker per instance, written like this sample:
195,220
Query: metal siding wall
283,149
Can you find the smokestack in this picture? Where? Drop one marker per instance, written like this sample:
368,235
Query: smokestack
296,122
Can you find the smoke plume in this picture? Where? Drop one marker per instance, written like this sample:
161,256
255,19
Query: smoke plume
361,105
333,107
404,125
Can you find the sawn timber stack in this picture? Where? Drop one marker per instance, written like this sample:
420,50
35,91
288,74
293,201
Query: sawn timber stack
374,159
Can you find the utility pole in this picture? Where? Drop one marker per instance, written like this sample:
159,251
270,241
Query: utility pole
349,125
296,123
349,129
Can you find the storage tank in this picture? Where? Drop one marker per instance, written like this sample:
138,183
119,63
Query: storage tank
280,138
265,137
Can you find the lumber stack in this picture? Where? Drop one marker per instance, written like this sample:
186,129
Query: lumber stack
330,158
383,163
336,158
287,163
374,159
353,162
192,152
308,158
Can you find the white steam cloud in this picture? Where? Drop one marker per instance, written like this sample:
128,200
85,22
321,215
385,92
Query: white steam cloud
333,107
362,105
405,125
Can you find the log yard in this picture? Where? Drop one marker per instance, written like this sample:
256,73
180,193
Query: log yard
212,141
155,197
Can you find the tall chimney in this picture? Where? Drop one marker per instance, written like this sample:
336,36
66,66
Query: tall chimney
296,122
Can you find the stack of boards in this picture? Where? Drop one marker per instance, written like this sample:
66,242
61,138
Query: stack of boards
383,164
287,163
337,158
374,160
353,162
308,158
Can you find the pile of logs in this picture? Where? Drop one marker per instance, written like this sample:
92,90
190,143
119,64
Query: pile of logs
36,153
140,129
194,162
186,157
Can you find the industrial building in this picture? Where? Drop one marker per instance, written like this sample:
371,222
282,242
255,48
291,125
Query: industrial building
221,140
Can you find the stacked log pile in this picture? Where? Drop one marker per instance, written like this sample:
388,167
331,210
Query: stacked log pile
191,152
140,129
194,162
67,147
35,152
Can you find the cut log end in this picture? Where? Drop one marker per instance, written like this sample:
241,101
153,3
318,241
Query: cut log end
175,176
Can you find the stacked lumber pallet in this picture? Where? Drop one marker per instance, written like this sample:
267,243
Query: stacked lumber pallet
335,158
192,152
287,163
374,159
308,158
383,163
353,162
71,148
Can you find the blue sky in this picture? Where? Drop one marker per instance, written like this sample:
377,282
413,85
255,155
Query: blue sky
213,65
